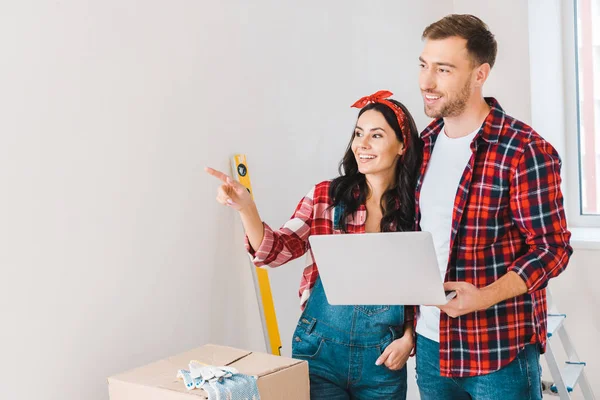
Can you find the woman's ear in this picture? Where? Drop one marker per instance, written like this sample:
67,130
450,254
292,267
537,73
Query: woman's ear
401,149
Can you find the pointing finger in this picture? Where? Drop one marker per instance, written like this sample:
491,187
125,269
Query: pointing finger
218,174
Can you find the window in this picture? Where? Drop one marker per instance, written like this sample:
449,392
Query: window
587,49
564,47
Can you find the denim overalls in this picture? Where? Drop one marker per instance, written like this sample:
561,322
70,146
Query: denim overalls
341,345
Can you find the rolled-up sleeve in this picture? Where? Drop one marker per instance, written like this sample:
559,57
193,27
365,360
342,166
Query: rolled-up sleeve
536,203
287,243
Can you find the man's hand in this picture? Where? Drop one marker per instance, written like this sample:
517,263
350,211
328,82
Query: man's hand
468,299
396,354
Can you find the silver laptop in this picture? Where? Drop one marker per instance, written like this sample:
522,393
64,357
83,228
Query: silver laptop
392,268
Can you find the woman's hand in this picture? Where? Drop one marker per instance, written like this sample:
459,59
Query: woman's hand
231,193
396,354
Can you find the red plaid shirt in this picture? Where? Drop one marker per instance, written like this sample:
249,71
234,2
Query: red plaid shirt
313,216
508,216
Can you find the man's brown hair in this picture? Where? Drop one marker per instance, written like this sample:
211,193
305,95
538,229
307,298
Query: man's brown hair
481,44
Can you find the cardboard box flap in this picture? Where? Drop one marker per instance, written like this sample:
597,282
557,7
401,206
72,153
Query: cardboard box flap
209,354
162,375
261,364
164,372
146,375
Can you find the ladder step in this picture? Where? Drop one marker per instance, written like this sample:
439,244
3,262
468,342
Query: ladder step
570,375
555,321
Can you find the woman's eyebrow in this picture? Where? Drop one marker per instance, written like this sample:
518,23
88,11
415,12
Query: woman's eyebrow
371,130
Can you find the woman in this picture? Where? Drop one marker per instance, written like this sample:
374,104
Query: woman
352,351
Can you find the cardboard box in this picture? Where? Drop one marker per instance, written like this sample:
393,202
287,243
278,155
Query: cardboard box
278,377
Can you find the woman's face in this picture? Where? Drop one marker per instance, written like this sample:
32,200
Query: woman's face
375,145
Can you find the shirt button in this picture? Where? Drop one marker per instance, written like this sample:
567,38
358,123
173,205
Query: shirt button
297,339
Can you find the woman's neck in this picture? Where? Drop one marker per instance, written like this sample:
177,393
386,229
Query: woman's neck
378,185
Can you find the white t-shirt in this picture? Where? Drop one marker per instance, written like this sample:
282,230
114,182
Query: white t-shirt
448,161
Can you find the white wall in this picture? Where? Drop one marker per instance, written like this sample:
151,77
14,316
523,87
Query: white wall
509,81
113,251
575,294
554,113
546,63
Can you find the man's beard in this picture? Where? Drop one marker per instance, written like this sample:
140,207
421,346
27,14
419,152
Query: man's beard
454,107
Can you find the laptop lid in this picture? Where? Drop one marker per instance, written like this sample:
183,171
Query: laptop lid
389,268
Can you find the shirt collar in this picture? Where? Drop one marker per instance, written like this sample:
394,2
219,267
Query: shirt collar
492,125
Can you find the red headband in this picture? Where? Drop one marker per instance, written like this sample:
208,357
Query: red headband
381,97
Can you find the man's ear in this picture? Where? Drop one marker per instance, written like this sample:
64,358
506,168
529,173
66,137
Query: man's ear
481,74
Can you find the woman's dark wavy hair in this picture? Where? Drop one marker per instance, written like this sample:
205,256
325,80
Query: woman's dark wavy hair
342,190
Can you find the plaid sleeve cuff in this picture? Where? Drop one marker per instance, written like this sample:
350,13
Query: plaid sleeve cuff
532,271
266,247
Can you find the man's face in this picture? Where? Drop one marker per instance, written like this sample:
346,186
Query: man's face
446,77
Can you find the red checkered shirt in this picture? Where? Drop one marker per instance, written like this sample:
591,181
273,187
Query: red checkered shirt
508,216
313,216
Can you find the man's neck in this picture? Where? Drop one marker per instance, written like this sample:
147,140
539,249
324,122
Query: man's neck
471,119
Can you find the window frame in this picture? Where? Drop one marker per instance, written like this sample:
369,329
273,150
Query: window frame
572,166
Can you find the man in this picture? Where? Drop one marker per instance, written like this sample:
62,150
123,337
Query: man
489,192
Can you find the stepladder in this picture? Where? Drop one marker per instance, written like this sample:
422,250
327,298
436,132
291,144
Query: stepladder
570,377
